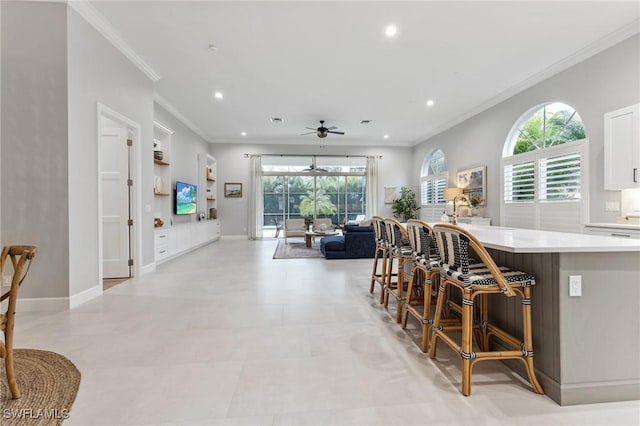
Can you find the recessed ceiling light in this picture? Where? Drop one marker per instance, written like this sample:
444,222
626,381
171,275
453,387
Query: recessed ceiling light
430,102
277,120
386,136
390,31
213,47
218,95
243,133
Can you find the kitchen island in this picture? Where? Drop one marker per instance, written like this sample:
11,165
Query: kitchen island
587,348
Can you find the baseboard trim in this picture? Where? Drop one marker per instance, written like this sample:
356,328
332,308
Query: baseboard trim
597,392
147,269
580,393
42,304
84,296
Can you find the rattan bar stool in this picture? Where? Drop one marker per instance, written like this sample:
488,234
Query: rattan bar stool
381,256
424,272
399,250
478,281
21,257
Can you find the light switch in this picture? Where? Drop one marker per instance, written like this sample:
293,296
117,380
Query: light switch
612,206
575,285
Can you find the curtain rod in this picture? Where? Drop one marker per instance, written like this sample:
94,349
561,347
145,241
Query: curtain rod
311,155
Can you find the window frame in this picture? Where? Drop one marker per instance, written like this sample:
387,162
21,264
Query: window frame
537,204
430,210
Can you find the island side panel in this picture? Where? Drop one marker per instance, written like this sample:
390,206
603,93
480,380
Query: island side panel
600,331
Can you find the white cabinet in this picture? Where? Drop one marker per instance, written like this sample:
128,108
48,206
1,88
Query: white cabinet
182,238
613,231
161,244
622,148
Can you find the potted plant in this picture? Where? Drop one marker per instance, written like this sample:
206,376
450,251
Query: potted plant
406,206
474,201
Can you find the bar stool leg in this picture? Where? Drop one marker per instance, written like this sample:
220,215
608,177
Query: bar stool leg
528,340
399,298
405,310
437,316
467,341
426,321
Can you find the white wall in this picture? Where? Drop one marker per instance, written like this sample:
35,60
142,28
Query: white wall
602,83
34,165
185,147
100,73
395,170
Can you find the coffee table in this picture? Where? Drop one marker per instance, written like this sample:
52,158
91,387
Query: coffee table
310,235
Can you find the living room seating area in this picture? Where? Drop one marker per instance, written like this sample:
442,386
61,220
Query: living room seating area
356,242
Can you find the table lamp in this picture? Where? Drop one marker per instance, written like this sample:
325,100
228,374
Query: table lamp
450,194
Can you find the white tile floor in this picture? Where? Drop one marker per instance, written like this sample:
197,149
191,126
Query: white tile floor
228,336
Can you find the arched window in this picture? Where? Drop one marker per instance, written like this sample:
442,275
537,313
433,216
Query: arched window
544,170
433,180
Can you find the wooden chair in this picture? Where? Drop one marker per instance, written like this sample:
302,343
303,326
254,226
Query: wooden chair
294,228
425,270
322,224
381,256
278,227
477,281
21,257
399,250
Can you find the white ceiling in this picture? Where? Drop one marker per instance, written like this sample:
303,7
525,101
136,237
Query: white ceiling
306,61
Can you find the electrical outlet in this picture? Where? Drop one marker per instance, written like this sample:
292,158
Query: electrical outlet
611,206
6,281
575,285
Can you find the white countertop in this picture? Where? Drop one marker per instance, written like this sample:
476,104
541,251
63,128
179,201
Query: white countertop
615,225
516,240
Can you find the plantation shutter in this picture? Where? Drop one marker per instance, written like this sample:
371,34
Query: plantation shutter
432,197
546,189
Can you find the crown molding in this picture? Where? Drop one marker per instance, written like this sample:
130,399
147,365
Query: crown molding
593,49
180,116
100,23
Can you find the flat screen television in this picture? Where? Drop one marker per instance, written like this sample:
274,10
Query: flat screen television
186,198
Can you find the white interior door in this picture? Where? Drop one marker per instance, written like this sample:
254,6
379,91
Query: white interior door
114,165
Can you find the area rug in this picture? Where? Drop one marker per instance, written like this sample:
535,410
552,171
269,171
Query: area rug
48,383
297,250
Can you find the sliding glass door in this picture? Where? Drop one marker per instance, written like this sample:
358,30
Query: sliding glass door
323,188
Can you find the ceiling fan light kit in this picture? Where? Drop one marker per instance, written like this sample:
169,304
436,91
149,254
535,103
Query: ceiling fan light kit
322,131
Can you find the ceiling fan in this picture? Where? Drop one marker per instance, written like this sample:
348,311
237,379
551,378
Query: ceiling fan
313,167
322,131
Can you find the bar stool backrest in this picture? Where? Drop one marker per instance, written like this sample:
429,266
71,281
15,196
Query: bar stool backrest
422,239
379,230
454,244
395,232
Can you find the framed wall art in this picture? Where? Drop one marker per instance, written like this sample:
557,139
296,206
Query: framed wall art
389,194
473,182
233,190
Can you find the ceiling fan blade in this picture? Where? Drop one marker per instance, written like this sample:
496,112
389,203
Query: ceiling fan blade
308,133
311,128
331,128
335,133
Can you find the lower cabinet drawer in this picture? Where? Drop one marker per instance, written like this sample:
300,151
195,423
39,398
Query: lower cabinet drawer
162,252
161,244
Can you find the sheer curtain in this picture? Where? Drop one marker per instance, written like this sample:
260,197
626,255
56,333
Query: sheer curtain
372,186
255,200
